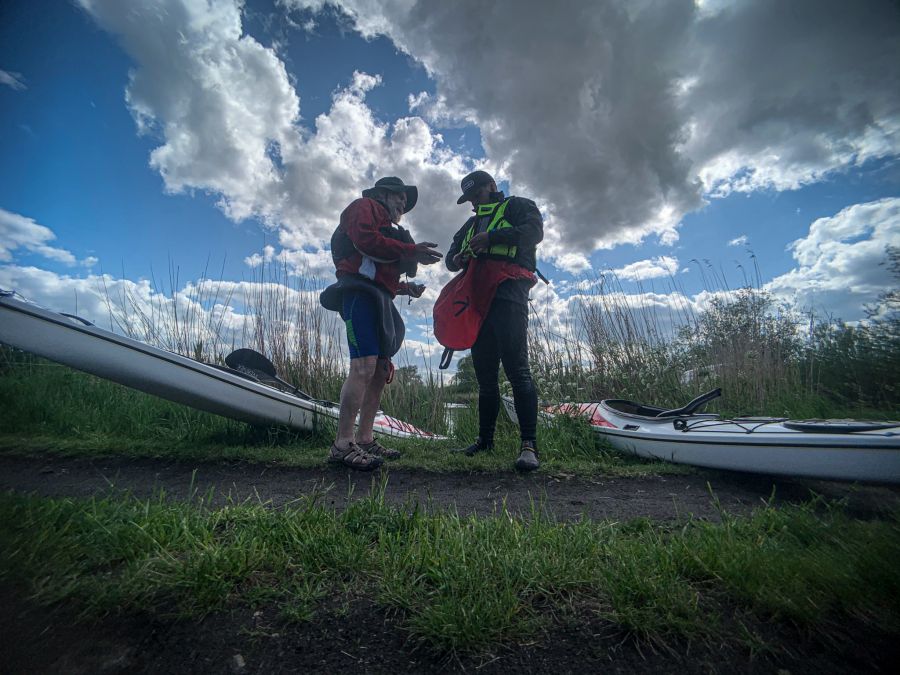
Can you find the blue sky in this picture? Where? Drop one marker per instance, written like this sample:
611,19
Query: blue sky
210,138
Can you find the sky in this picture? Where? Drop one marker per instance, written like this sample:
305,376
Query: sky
685,146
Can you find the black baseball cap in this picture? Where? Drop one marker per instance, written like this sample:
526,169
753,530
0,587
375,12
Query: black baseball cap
394,184
472,181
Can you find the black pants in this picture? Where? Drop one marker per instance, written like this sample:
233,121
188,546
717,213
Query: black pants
504,337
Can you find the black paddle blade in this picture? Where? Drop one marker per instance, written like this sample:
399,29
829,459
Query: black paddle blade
251,360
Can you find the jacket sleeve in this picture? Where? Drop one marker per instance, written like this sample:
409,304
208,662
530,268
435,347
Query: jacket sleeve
527,224
360,222
456,247
409,266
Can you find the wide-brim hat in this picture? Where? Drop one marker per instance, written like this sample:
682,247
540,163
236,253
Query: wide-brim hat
472,181
394,184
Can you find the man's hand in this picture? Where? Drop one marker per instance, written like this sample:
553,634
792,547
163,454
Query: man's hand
480,242
426,255
415,290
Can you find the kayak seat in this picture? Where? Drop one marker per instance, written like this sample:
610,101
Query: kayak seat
641,410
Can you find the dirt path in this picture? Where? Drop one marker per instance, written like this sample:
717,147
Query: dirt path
658,498
35,638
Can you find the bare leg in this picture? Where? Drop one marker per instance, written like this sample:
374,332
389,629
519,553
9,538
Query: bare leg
352,393
370,402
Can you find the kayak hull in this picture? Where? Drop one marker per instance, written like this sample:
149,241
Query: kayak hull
756,445
213,389
816,458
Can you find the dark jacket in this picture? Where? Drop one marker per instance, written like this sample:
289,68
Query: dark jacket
525,234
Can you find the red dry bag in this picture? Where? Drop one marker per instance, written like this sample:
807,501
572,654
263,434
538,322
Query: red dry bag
465,301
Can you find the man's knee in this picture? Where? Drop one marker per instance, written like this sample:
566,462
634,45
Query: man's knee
519,375
382,371
489,389
363,368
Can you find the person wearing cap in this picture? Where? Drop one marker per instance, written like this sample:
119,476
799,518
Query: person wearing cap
370,252
503,230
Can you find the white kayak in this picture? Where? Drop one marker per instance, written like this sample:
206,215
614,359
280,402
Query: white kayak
75,342
830,449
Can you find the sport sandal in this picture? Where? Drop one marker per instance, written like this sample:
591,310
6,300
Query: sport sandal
528,459
377,449
354,457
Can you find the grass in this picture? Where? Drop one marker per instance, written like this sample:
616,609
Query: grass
462,583
51,408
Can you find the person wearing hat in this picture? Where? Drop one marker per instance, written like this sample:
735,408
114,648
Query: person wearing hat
504,231
370,252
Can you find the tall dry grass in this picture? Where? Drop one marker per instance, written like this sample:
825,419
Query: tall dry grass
664,349
658,348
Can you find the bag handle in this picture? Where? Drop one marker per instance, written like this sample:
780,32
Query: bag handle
446,358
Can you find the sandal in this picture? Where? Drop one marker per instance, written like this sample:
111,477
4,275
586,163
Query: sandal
377,449
354,457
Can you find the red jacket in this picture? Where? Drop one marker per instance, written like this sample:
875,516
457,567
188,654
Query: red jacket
379,250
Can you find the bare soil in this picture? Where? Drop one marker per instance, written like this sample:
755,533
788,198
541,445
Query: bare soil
564,496
360,636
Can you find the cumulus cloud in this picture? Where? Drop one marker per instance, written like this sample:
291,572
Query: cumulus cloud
625,114
739,241
13,80
575,112
661,266
618,118
618,124
17,231
779,94
841,263
228,115
84,296
218,314
222,103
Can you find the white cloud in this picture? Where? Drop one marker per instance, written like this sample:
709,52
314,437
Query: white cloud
739,241
18,231
228,115
14,80
788,92
628,112
662,266
217,313
222,103
257,259
841,262
618,125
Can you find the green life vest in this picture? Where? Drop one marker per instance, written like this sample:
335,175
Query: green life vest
498,222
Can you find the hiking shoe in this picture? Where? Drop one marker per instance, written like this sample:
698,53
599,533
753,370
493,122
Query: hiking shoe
377,449
354,457
475,448
528,458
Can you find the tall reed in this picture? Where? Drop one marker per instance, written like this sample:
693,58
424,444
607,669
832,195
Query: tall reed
656,347
285,321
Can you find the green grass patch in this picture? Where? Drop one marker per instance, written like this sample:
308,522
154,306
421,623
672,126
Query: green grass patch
461,583
52,408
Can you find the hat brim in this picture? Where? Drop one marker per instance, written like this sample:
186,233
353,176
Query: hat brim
467,195
412,194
